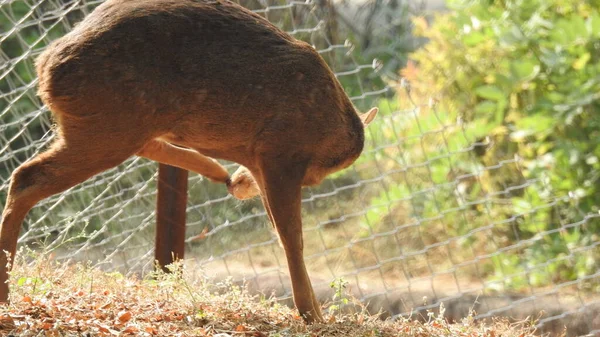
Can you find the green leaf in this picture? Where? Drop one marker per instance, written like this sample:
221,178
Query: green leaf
486,107
490,92
524,70
473,39
536,123
593,24
568,31
22,281
562,33
579,27
500,111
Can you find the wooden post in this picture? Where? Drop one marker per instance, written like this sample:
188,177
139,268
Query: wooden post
171,203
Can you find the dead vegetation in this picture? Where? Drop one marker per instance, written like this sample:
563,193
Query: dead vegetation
49,298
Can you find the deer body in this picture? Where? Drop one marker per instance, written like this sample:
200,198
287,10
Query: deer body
182,82
192,72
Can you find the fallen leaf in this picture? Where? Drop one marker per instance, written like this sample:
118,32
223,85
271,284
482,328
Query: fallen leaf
200,236
103,328
131,329
99,314
124,316
6,321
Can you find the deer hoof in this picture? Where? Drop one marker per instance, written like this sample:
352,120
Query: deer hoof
242,184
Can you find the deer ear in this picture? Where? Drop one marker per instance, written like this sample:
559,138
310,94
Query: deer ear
367,117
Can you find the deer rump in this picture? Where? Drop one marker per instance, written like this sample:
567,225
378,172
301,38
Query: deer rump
182,82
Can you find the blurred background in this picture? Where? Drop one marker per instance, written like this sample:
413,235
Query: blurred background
478,186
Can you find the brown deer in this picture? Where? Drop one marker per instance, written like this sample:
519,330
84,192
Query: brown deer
179,81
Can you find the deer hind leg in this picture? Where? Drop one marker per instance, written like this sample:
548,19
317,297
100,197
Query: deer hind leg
190,160
73,158
281,187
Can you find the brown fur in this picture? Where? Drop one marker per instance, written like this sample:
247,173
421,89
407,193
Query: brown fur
178,81
242,184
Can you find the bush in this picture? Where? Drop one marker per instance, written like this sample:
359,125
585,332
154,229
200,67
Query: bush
527,75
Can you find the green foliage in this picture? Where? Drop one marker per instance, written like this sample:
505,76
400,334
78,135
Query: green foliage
340,297
527,73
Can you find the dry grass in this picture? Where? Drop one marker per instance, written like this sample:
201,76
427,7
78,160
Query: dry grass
55,299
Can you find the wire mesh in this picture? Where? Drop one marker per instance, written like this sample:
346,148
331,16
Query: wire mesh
413,223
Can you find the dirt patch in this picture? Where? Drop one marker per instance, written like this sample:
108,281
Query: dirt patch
553,310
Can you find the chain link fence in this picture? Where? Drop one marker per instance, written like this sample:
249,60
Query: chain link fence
418,220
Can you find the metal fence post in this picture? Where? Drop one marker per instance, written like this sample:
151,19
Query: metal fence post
171,203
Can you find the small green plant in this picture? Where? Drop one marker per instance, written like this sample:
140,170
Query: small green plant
340,297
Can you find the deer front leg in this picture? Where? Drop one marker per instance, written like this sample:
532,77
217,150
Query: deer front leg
282,199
